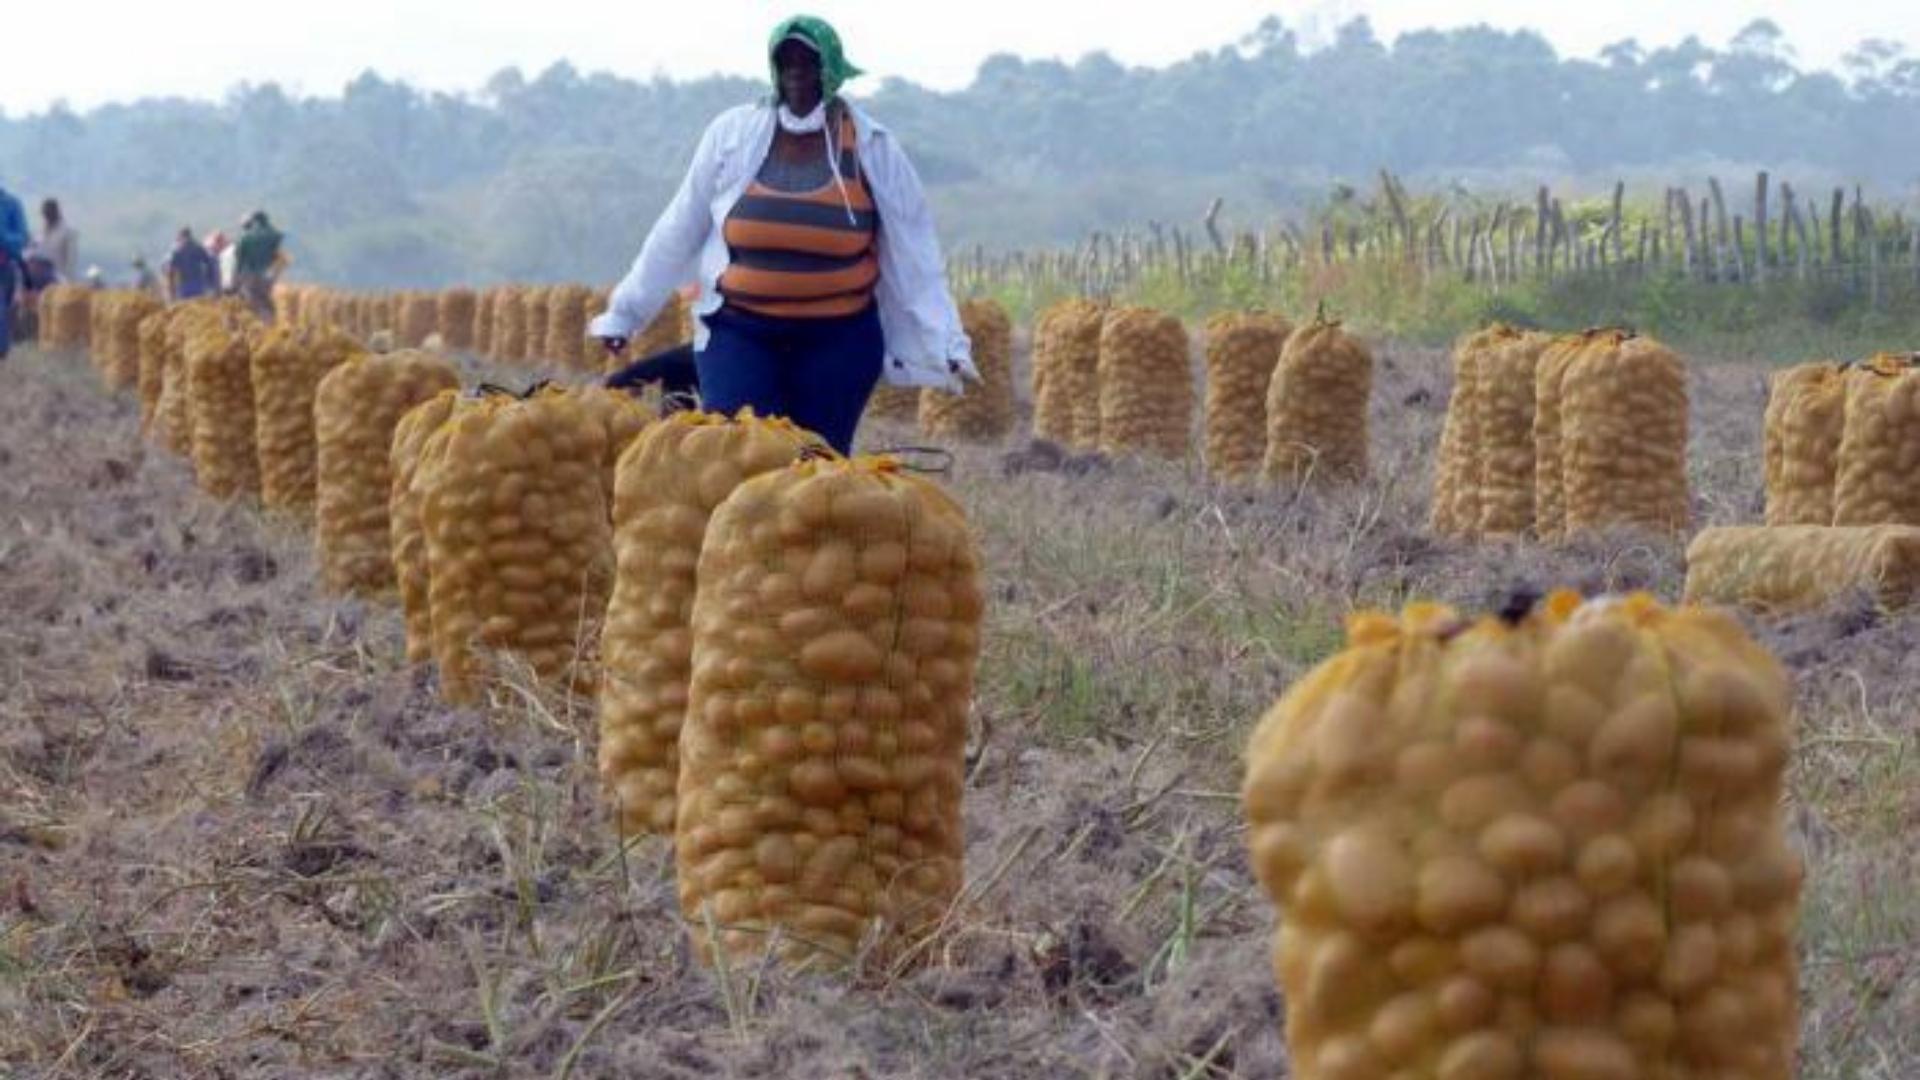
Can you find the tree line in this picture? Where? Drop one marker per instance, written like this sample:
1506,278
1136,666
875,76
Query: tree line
559,175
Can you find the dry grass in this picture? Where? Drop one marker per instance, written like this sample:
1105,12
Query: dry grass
239,838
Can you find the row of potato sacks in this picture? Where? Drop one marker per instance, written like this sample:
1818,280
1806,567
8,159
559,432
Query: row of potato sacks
66,317
1561,435
231,396
519,325
789,660
1842,445
1283,404
1549,844
984,411
822,680
113,334
785,669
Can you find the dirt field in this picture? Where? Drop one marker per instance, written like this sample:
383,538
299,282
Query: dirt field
238,838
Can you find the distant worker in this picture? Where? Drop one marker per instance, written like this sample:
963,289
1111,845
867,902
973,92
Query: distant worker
96,278
143,277
222,251
818,266
191,270
13,249
255,262
59,241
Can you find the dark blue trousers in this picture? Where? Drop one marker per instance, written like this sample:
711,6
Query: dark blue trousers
817,373
6,305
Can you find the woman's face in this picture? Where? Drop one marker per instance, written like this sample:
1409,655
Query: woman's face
799,69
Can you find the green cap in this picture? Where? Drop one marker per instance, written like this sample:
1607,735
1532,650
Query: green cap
818,33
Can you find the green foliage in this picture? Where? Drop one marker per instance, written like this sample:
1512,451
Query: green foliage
559,175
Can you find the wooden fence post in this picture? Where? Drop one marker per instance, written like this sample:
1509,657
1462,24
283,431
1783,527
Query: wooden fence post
1694,262
1541,247
1834,249
1760,228
1614,224
1720,231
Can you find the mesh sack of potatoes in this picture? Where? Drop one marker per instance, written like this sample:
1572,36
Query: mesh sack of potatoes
123,337
101,350
1806,413
317,309
1543,845
1623,422
287,366
836,630
897,404
519,545
1775,569
668,484
1040,389
510,325
623,417
1455,509
287,302
66,313
1243,348
1317,408
1145,382
454,314
321,310
1076,328
153,364
220,390
414,437
1878,482
566,337
99,314
357,407
173,410
1504,465
483,316
535,302
1047,379
387,312
983,410
419,318
1549,477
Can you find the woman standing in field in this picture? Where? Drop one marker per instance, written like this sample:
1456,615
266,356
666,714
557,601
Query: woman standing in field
809,236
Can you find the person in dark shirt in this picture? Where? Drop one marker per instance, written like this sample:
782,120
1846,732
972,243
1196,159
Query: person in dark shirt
13,246
191,269
255,262
673,370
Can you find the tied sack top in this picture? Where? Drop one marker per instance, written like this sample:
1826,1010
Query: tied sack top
802,240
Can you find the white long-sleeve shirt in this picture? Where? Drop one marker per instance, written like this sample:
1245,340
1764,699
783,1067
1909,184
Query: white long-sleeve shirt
925,344
62,244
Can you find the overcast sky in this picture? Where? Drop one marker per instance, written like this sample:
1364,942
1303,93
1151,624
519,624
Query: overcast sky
92,53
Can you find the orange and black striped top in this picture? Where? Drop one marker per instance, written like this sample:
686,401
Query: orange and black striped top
796,252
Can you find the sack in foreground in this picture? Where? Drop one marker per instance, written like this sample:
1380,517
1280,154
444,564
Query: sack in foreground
835,635
1548,844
